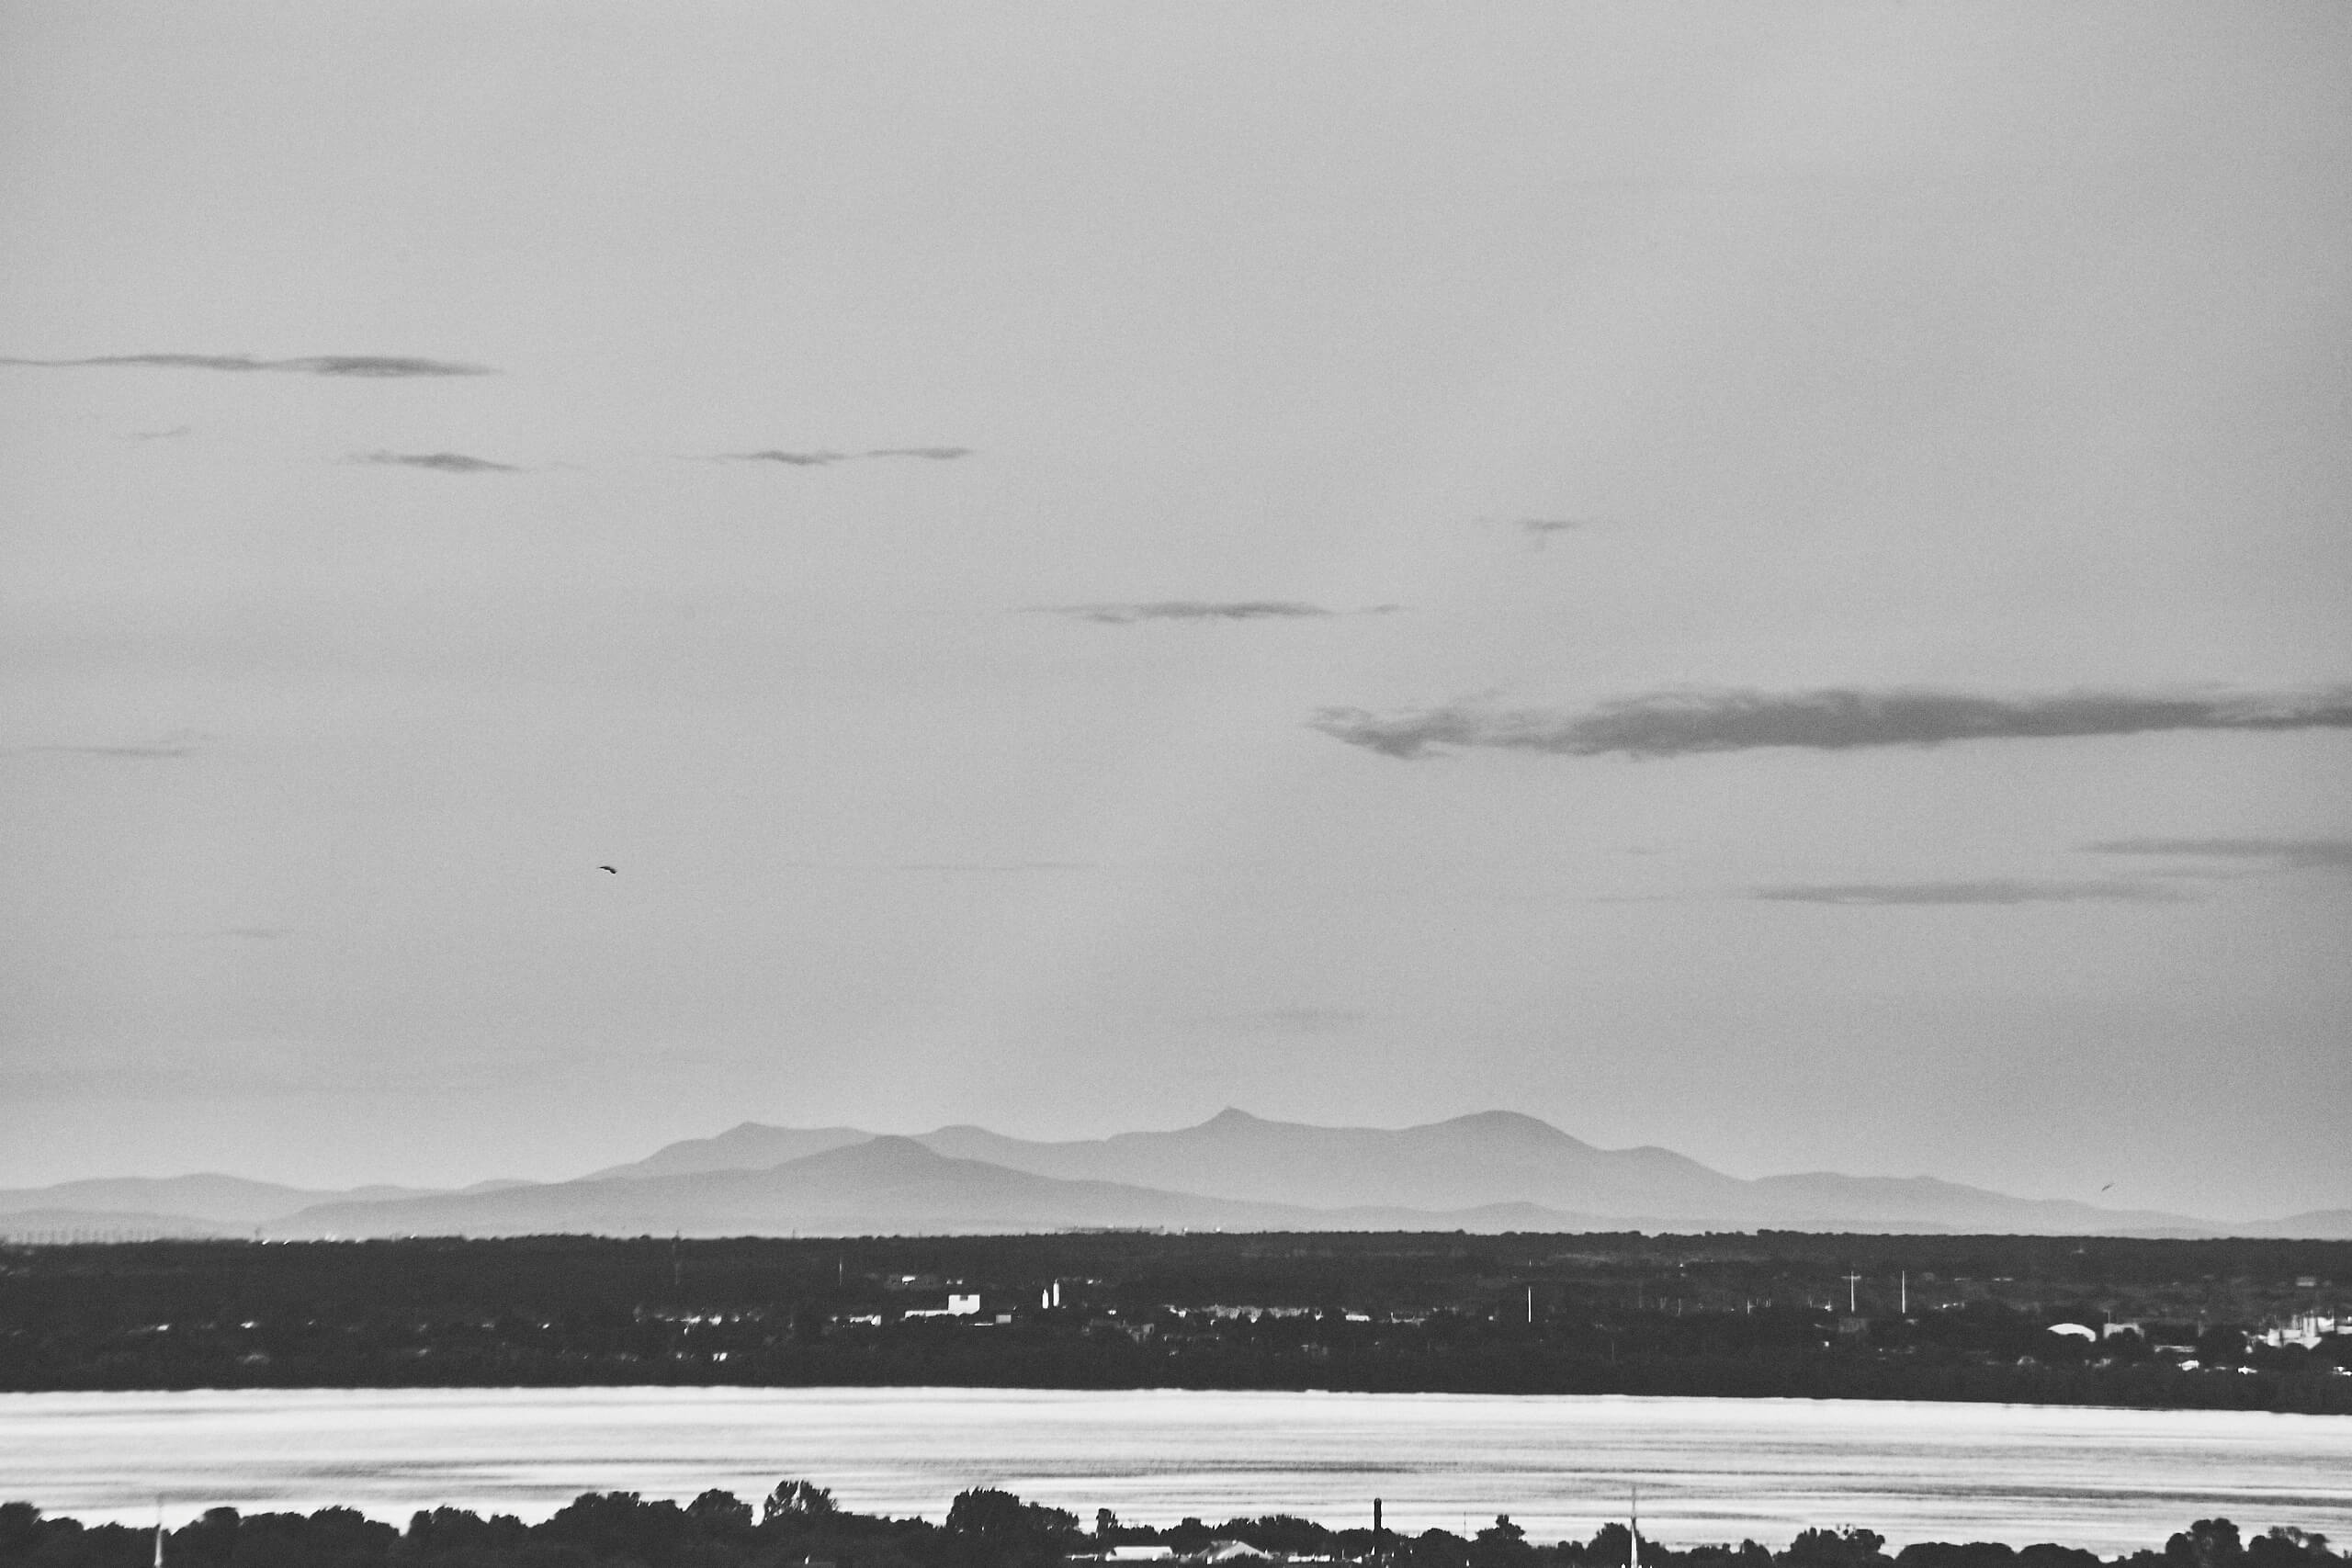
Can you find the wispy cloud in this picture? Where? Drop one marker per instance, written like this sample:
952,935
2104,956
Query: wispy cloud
1992,891
438,462
1673,724
2266,854
1123,614
366,365
821,457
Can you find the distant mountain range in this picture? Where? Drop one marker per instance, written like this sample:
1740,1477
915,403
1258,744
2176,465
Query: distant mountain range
1490,1172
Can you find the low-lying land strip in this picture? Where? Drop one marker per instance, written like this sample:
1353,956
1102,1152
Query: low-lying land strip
2226,1325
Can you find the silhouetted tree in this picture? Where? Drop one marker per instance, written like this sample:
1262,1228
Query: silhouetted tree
1836,1548
995,1528
1944,1554
2208,1543
796,1502
21,1530
2286,1547
722,1514
1500,1545
452,1532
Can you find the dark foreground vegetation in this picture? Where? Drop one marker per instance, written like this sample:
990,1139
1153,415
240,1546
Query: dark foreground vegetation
797,1526
2245,1325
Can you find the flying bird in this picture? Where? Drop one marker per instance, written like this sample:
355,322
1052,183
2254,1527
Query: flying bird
614,872
2103,1189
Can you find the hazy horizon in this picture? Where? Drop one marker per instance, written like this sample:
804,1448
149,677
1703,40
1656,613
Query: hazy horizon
1766,583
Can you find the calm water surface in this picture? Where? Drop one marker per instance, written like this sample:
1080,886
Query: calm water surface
1709,1470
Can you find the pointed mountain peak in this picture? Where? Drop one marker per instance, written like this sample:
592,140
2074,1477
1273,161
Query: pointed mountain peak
1233,1117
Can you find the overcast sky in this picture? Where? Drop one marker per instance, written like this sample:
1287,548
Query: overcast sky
1770,579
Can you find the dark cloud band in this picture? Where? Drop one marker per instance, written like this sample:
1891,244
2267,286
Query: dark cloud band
438,462
1675,724
2274,854
363,365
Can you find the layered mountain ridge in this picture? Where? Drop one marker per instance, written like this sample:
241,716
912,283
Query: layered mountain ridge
1488,1172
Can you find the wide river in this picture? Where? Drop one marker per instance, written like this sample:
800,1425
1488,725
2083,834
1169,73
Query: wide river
1709,1470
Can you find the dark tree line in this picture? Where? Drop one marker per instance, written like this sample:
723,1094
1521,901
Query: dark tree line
799,1524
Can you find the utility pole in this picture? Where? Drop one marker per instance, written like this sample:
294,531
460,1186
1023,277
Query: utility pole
1905,1287
1634,1529
1852,1281
1531,1306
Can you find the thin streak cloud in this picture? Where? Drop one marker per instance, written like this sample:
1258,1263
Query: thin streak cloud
1539,530
995,867
1997,891
2270,854
821,457
987,868
363,365
438,462
179,743
1673,724
125,751
1122,614
1296,1021
216,934
796,460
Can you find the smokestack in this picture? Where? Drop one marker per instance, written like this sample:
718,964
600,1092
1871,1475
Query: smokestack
1379,1532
